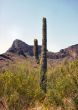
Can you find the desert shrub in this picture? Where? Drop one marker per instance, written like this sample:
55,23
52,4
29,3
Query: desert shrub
21,89
63,83
20,86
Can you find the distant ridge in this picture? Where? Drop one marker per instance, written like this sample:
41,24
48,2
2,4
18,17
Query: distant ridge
22,49
71,52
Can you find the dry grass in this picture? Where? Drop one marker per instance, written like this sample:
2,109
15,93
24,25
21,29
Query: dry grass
19,85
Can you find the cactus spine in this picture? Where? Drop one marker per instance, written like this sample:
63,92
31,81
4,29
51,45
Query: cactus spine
36,49
43,79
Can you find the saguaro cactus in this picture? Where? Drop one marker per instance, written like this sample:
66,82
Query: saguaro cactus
43,79
36,49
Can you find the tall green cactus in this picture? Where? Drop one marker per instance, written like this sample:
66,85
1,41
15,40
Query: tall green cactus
43,79
36,50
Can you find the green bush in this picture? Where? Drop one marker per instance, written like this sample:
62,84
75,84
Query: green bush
20,89
20,86
63,83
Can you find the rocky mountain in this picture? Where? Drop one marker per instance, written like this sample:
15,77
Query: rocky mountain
20,52
21,48
71,52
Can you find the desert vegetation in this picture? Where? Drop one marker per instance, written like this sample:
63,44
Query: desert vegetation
20,88
43,77
35,50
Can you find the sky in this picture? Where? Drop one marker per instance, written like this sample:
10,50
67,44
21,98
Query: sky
22,19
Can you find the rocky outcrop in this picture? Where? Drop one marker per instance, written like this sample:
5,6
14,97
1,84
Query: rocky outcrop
21,48
71,52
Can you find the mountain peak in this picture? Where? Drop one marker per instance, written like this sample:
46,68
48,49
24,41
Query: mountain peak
21,48
18,41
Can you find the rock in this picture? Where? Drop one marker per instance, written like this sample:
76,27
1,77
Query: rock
21,48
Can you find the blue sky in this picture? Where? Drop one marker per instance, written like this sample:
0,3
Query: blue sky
22,19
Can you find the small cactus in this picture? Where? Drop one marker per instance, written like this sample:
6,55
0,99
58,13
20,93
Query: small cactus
36,50
43,79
